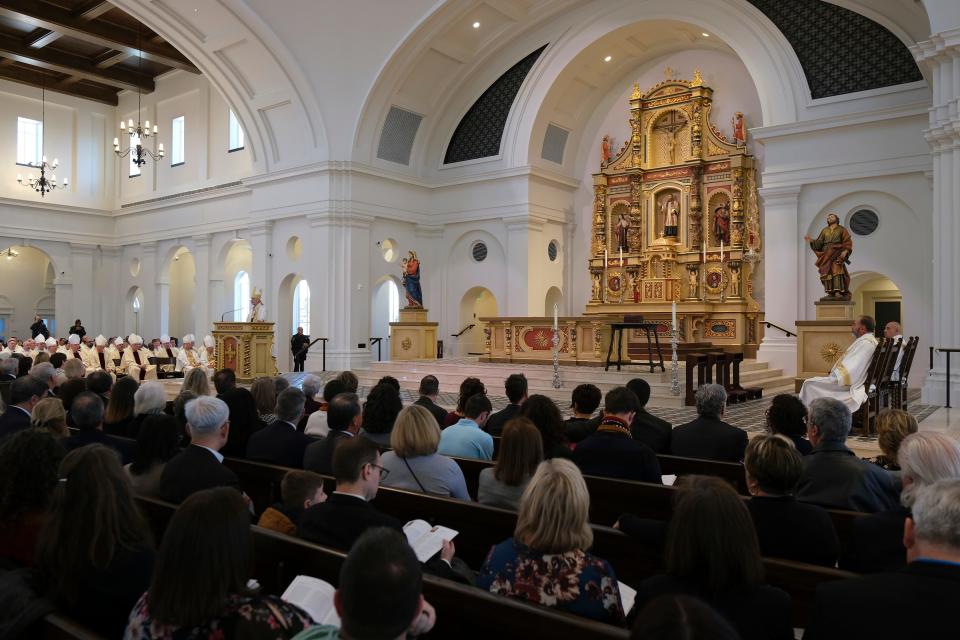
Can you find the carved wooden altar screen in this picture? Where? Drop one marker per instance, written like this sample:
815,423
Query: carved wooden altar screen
674,193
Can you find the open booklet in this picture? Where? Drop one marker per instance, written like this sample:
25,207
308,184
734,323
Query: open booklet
628,596
314,596
426,539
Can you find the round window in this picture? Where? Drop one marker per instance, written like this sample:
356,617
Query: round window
864,222
553,250
479,251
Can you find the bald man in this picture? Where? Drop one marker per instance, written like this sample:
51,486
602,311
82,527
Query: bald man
893,331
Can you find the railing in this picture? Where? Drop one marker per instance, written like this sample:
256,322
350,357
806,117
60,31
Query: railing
463,331
377,341
948,352
769,325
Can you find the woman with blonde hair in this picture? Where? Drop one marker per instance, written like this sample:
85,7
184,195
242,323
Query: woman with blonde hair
521,450
414,463
546,561
49,415
265,395
197,382
893,425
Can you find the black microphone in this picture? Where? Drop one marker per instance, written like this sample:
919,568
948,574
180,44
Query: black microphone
231,311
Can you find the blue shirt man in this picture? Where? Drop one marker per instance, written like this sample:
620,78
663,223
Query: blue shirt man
466,438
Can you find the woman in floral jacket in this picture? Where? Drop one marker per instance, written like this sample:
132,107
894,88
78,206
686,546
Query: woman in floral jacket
546,562
199,589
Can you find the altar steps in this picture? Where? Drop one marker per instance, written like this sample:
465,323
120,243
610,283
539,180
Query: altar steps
540,377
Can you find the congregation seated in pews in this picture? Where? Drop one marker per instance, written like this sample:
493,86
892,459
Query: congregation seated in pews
761,565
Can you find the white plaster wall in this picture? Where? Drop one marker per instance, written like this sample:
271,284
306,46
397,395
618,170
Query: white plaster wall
23,287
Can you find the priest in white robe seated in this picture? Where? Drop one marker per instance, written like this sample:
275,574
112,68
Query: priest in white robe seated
115,349
53,346
97,358
188,358
135,361
208,355
846,380
30,348
11,348
73,348
166,350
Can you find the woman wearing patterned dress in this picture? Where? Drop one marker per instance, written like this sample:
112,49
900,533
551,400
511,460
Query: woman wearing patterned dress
546,562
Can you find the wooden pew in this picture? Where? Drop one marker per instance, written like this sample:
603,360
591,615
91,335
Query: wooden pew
56,626
462,611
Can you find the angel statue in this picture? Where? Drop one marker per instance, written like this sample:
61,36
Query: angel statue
411,281
257,312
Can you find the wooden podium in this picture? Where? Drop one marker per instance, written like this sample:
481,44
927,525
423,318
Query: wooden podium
245,347
821,342
413,337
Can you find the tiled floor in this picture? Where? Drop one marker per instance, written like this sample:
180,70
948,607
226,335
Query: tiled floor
749,416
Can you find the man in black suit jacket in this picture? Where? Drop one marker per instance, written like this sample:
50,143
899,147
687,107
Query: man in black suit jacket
709,436
200,466
244,420
915,602
25,393
8,368
86,410
646,427
280,442
429,389
344,416
833,476
611,452
584,402
516,387
347,513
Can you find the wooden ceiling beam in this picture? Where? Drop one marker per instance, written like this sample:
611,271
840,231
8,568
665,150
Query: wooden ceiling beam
73,65
30,78
62,21
92,10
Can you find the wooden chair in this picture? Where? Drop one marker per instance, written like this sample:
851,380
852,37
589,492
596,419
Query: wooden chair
696,362
895,391
862,417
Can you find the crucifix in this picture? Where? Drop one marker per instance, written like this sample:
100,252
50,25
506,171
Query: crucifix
670,123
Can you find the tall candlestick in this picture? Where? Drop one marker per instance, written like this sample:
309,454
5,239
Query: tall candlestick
704,252
673,314
555,323
621,256
721,251
604,258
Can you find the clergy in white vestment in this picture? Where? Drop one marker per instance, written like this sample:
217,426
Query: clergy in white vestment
135,363
73,347
848,375
895,333
30,348
207,355
11,348
188,358
52,346
257,311
97,358
166,350
115,349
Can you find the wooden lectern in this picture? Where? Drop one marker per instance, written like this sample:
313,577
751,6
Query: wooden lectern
245,347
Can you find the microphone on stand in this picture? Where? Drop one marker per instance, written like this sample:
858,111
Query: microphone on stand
231,311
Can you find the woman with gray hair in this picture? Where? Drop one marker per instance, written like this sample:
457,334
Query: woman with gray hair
149,400
877,540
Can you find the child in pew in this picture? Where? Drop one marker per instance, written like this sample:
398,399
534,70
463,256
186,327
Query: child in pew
299,491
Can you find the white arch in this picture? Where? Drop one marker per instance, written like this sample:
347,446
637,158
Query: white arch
271,98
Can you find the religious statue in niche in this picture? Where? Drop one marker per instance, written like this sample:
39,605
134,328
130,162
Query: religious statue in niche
621,231
665,133
257,312
606,150
692,277
411,281
669,210
833,248
721,223
739,134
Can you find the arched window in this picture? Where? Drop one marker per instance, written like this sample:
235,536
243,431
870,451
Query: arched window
394,302
241,295
301,307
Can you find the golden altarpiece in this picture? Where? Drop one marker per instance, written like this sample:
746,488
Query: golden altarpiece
675,219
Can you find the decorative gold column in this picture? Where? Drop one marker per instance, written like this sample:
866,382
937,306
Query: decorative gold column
736,205
635,235
696,209
599,214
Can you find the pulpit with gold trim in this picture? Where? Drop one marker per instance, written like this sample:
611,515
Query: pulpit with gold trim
245,347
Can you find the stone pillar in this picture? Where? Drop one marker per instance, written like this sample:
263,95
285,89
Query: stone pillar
203,318
261,243
81,258
781,254
153,305
940,55
519,232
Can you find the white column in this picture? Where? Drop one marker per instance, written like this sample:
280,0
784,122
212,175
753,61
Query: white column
63,302
81,259
940,55
323,271
153,304
782,241
203,319
519,232
261,243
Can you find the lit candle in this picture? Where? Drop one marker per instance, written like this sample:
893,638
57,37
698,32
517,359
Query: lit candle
673,324
147,123
704,251
604,258
555,319
721,250
621,256
123,126
130,123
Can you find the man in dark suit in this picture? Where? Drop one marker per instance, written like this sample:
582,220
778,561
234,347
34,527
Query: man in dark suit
833,476
347,513
584,402
8,368
646,427
915,602
244,420
516,387
280,442
200,465
611,452
86,411
25,392
298,347
709,436
344,416
429,389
